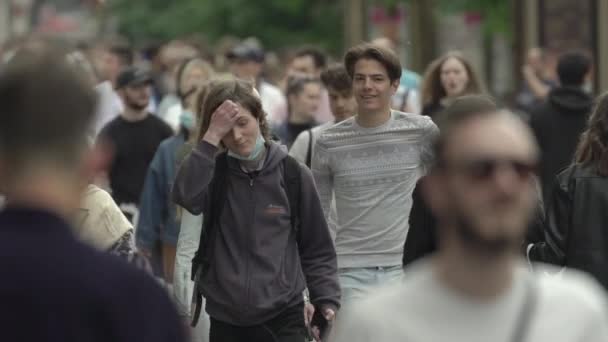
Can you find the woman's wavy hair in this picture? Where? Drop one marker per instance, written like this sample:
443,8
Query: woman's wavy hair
432,89
592,149
236,90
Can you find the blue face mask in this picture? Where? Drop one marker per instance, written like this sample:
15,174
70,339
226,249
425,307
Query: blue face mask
255,153
187,120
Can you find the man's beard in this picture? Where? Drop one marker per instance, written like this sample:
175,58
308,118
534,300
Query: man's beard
498,245
135,105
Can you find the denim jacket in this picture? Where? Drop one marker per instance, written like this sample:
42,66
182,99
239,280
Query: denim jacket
158,219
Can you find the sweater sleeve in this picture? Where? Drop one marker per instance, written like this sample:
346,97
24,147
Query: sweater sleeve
317,252
427,157
190,189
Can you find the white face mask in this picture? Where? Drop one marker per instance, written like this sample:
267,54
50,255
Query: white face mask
187,119
255,153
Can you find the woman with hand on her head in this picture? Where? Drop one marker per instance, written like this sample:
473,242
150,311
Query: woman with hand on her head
265,238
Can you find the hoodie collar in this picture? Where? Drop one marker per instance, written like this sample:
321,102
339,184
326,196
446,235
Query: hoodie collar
275,153
571,99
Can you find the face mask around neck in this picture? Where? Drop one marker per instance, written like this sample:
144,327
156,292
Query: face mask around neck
187,120
255,153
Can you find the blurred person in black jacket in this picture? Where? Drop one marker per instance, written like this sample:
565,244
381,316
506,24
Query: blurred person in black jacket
559,121
55,288
576,233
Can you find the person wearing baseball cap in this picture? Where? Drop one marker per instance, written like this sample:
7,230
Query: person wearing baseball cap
246,61
133,77
134,136
246,52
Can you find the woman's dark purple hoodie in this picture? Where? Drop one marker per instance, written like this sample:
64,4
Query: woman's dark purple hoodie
259,268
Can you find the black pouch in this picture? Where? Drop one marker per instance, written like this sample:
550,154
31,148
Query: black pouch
319,321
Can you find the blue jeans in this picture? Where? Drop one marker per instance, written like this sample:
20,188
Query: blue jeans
356,282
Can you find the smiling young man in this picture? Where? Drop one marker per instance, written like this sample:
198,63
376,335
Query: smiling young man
370,164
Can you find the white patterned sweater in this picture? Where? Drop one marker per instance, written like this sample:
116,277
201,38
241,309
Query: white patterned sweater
372,173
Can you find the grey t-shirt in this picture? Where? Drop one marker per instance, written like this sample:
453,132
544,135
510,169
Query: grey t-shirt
570,307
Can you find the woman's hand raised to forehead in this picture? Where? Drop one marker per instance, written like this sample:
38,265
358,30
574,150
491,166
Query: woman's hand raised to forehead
222,121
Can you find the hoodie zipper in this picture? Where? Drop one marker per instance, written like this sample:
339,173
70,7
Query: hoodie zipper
252,176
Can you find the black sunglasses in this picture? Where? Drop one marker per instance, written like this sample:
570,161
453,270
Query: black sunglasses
485,168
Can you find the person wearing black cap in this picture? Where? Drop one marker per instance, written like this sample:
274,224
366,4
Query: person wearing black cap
134,136
247,62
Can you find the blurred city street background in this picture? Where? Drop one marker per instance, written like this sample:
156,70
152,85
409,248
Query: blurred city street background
494,34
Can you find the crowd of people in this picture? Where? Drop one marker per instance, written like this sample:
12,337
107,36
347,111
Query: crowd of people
342,200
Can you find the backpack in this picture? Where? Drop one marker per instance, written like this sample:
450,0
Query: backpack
217,198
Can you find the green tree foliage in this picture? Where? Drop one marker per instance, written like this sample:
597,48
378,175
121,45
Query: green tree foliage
278,23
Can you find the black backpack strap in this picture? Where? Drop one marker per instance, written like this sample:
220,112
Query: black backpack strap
198,307
293,186
202,258
309,153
